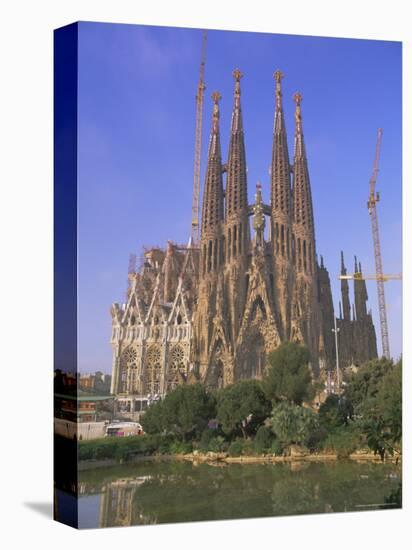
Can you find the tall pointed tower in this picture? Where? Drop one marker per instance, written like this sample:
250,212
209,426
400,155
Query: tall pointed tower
326,337
305,309
344,285
211,249
344,323
212,208
361,294
281,213
236,212
364,336
237,234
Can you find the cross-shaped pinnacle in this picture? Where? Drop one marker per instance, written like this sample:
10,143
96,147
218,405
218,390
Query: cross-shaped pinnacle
216,97
297,97
278,75
237,75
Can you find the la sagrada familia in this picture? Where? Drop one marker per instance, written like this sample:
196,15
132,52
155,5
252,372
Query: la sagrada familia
212,311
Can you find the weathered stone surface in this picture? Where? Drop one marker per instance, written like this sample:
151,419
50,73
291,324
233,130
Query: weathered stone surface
212,312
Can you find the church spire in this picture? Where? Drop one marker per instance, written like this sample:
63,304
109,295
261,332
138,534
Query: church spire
212,210
303,225
344,285
280,169
302,196
236,188
361,294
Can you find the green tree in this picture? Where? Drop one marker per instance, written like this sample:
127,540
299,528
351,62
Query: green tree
242,407
184,412
152,420
381,416
293,423
335,412
187,410
263,439
376,391
363,386
289,376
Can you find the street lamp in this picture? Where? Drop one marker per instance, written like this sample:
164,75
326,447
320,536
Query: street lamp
336,330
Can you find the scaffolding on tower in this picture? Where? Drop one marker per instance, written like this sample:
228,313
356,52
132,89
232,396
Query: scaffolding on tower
195,233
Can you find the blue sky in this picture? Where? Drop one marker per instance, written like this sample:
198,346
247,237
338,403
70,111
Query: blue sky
137,88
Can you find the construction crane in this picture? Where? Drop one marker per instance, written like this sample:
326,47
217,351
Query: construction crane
373,199
360,277
195,233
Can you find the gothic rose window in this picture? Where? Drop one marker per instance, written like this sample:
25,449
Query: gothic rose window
176,365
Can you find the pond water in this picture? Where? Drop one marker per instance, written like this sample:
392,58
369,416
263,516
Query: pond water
174,491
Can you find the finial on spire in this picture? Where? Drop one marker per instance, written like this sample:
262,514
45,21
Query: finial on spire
237,75
216,97
356,265
297,98
278,75
299,147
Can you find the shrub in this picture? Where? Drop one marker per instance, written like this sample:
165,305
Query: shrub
236,447
343,442
217,444
276,448
181,447
206,437
263,439
293,424
335,412
123,447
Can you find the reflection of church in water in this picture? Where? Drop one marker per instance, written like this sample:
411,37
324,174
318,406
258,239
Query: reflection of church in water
117,504
211,312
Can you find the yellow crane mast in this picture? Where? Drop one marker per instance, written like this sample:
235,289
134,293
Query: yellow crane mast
360,277
379,277
195,233
372,201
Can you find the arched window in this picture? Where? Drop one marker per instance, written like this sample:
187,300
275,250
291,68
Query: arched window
176,367
128,363
153,369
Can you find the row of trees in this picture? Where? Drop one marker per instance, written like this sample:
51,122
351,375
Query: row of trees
272,414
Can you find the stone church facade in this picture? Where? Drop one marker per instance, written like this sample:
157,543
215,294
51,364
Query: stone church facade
211,312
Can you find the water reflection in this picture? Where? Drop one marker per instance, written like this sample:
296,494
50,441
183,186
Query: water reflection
165,492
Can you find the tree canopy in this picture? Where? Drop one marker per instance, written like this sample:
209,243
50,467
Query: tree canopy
376,393
289,377
242,407
293,423
334,412
184,412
